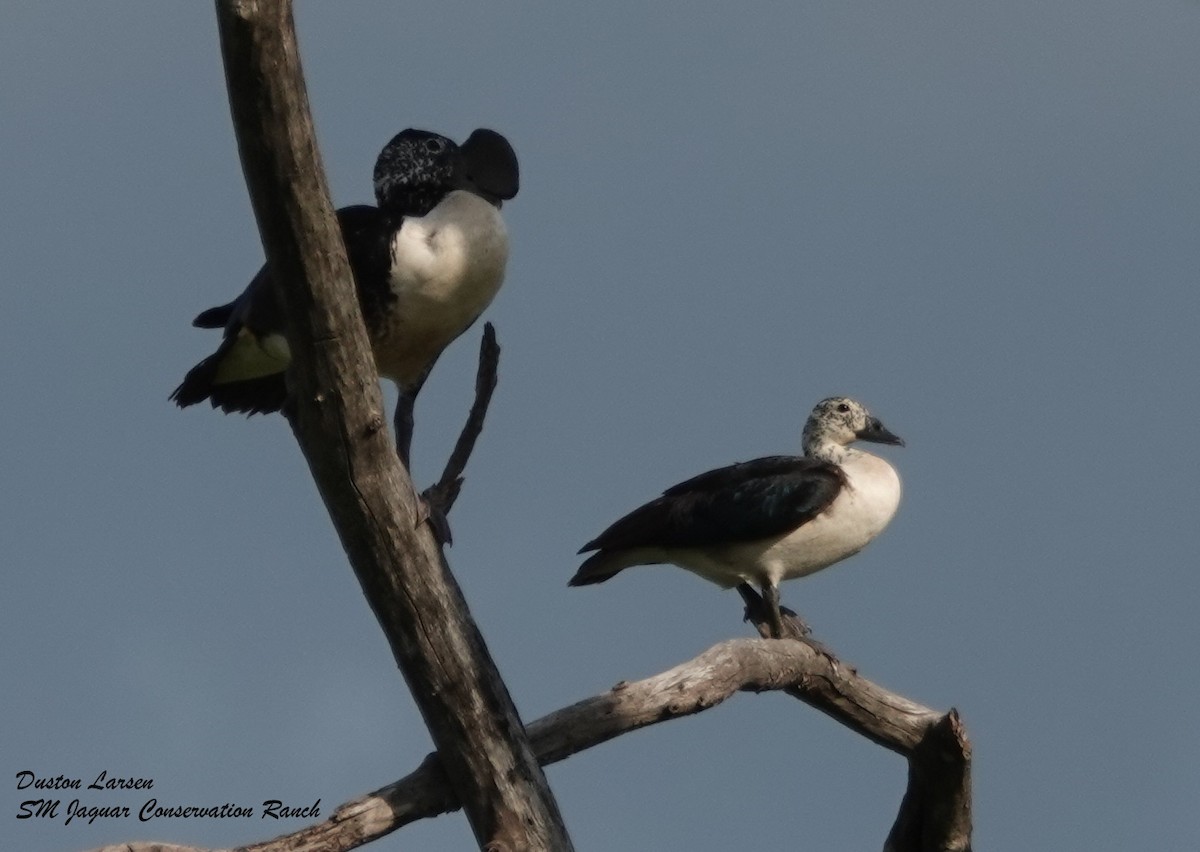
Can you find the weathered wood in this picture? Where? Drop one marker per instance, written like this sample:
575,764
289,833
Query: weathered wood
737,665
336,411
935,813
483,759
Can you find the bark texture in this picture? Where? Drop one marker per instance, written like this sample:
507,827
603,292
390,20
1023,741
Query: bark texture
336,411
486,762
935,815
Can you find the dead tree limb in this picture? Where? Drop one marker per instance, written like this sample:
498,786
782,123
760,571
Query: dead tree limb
485,762
336,413
935,813
737,665
444,492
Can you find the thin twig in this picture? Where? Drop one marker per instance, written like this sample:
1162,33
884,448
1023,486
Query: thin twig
445,491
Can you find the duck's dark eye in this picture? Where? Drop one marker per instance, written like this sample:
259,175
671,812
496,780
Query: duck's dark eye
843,407
435,146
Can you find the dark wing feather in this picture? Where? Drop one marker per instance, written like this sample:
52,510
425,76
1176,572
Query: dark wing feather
217,317
257,309
260,395
731,475
742,502
366,231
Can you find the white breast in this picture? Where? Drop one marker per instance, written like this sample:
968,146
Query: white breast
446,268
859,513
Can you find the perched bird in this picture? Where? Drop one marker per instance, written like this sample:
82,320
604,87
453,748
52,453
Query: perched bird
765,520
426,261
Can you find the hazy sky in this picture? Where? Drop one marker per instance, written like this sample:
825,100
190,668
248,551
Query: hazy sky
982,220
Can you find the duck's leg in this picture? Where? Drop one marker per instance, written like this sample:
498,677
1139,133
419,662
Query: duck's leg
774,616
758,610
403,423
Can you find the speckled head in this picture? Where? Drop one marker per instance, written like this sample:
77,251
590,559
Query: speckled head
838,421
415,171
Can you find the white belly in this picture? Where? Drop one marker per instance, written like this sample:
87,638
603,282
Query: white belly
447,267
858,514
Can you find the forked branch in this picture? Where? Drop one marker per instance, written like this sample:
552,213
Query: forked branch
486,762
935,813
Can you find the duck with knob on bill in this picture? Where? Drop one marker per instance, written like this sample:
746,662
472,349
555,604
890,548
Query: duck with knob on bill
766,520
426,262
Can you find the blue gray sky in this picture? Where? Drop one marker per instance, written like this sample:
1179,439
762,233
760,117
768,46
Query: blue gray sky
979,219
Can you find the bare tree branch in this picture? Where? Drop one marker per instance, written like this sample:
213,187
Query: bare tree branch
444,492
336,412
746,665
935,813
484,757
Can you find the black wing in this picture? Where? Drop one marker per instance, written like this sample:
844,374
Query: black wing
256,309
366,231
742,502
